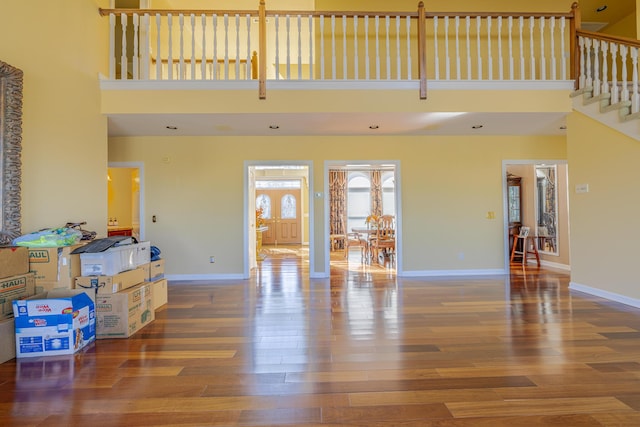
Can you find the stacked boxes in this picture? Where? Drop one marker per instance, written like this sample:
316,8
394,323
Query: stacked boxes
16,282
54,267
124,313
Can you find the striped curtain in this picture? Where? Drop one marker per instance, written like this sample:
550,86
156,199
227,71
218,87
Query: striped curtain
376,192
337,202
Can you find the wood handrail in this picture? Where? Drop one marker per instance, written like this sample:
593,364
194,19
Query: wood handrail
609,38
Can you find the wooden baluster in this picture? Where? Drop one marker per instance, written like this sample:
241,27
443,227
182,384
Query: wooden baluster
554,63
408,41
366,48
532,24
500,56
356,60
436,59
181,68
563,28
543,56
311,61
170,53
605,67
158,45
422,51
468,30
624,52
287,25
398,56
299,19
333,47
511,60
615,88
596,67
447,65
457,23
344,47
193,47
262,50
248,66
521,31
277,27
214,61
135,57
145,45
321,47
203,54
237,55
589,80
225,21
387,45
489,54
377,28
112,46
635,100
124,65
582,78
478,47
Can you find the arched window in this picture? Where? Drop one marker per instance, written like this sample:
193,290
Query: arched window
388,194
358,199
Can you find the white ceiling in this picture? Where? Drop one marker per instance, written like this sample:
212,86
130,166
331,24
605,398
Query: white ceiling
297,124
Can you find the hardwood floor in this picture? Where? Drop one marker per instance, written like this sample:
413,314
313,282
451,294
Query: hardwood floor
360,349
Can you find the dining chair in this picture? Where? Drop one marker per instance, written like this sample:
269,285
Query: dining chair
339,236
384,242
356,240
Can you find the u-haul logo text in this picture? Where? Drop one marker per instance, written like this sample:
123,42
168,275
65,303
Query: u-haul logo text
36,255
15,283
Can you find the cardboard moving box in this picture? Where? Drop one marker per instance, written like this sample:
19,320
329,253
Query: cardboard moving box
160,293
123,314
15,287
7,339
54,323
14,261
112,284
54,267
156,270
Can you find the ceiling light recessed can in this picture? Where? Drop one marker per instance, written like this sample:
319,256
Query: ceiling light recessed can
274,127
602,8
172,127
374,127
563,127
477,126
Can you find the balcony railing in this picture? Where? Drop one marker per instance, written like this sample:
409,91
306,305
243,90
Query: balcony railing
206,45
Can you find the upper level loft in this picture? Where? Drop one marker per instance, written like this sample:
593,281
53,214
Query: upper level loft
260,50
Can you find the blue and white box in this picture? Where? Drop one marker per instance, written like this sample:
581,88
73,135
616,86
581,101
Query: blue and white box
54,323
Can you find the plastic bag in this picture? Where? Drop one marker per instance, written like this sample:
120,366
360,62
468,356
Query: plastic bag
49,238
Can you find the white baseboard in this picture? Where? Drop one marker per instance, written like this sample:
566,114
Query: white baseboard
450,273
557,265
611,296
192,277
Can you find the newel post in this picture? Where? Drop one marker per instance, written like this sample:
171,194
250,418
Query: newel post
262,51
574,51
422,51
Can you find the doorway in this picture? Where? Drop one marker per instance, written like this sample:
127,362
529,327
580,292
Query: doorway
278,210
125,195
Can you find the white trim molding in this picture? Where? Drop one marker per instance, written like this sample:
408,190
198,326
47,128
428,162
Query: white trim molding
611,296
452,273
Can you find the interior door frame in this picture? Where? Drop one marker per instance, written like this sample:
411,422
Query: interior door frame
330,164
249,242
140,167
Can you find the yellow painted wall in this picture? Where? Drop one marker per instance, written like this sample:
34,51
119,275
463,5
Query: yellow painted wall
195,187
603,231
623,28
120,193
61,50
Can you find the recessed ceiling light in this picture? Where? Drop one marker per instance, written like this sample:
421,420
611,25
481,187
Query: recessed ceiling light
172,127
563,127
274,127
374,127
602,8
477,126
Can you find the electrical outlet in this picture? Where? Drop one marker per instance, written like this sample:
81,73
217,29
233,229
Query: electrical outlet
212,259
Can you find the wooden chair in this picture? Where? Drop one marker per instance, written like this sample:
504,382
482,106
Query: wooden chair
384,243
524,245
339,237
355,240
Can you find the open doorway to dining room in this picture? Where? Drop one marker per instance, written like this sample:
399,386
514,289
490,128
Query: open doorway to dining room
361,197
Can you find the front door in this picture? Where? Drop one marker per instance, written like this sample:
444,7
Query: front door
281,211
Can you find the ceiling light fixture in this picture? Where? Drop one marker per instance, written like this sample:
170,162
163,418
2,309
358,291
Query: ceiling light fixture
172,127
602,8
563,127
477,126
274,127
374,127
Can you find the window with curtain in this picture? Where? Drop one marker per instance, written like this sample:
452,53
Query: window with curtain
358,199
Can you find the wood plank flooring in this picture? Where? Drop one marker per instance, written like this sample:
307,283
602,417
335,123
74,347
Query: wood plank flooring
362,348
